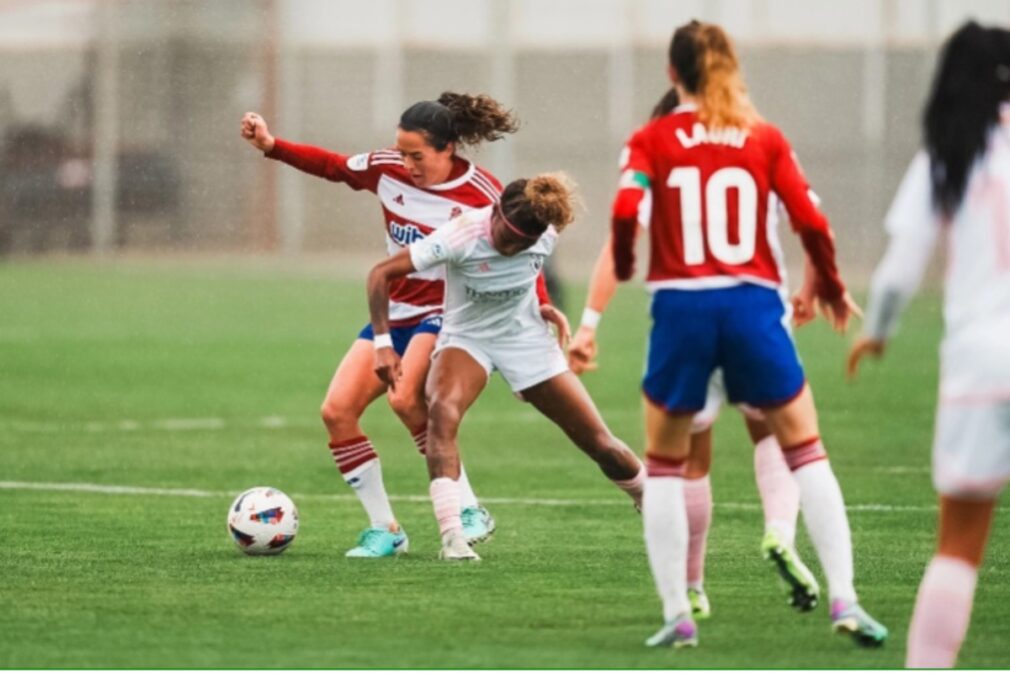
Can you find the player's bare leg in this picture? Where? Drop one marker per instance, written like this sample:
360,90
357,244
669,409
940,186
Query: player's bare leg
409,403
698,503
354,386
794,425
944,602
454,383
564,400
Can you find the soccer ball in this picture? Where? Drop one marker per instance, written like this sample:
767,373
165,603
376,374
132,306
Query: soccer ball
262,520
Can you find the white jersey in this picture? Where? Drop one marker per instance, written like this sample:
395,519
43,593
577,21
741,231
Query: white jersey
487,295
975,355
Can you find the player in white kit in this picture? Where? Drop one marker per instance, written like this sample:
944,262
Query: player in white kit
957,187
492,321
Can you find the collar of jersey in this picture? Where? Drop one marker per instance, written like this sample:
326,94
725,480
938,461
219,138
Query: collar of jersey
685,107
452,184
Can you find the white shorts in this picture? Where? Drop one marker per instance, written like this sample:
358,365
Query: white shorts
971,450
714,399
523,360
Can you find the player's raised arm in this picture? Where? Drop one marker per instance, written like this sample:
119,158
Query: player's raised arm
357,172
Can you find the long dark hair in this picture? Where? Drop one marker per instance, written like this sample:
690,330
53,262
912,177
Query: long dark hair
665,105
971,81
459,118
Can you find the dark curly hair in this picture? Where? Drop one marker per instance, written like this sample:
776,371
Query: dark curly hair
459,118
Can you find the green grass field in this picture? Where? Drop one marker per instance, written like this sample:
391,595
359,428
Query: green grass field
210,379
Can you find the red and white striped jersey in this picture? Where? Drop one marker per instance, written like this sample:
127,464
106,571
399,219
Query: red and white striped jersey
410,212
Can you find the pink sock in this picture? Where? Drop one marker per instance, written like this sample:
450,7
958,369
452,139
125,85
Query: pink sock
942,612
445,498
633,487
780,494
698,499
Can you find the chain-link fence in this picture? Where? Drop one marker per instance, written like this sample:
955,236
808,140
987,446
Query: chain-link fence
119,118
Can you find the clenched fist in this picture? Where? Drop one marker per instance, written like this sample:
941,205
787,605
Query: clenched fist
254,129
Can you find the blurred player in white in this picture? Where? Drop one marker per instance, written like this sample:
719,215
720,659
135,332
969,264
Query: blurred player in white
958,187
780,496
422,183
492,259
711,167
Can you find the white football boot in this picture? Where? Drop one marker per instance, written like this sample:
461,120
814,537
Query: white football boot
455,548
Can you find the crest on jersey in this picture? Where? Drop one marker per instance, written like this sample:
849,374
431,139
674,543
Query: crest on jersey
398,199
537,262
455,212
359,162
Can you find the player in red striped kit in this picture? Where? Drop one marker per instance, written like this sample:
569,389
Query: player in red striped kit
712,167
422,183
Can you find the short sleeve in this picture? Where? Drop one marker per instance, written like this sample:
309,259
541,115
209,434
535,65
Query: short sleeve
636,162
431,251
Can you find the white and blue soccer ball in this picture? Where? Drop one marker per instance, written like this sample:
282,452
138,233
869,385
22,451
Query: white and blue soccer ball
263,520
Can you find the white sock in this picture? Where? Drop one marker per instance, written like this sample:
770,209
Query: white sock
942,612
445,499
828,526
665,518
780,495
467,498
366,480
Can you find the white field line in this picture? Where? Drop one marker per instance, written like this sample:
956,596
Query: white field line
108,489
190,424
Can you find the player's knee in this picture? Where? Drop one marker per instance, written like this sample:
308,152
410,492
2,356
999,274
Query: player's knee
337,417
443,417
406,404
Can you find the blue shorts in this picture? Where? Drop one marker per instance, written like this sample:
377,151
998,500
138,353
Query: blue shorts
742,329
402,335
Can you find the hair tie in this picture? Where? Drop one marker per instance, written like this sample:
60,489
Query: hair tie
516,230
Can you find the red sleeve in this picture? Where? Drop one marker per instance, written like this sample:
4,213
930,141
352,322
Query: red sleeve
809,222
637,175
355,171
543,298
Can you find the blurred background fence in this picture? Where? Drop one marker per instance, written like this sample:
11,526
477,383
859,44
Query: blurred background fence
119,118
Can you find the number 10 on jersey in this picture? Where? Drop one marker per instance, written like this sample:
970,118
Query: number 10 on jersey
712,225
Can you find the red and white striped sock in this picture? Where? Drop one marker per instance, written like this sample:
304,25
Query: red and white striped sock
780,494
467,497
698,500
359,465
445,500
634,487
942,612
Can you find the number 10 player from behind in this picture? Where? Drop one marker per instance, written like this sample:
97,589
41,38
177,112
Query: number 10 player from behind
715,270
